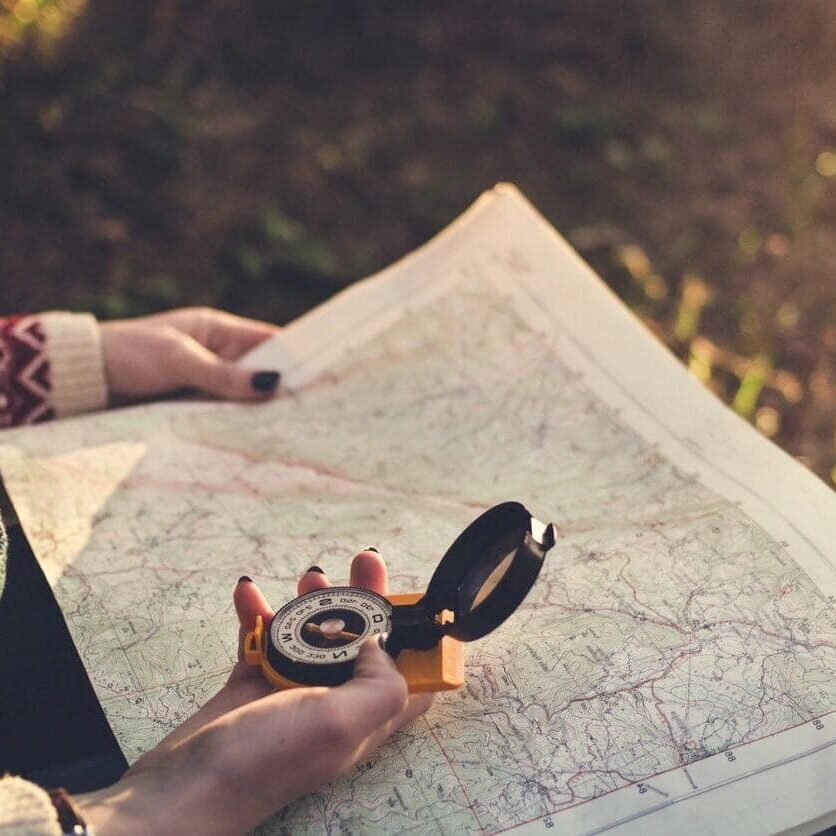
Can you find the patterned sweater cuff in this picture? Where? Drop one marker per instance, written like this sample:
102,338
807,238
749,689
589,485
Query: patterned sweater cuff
25,809
77,376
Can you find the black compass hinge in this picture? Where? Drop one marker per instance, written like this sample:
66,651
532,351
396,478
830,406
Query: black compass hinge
412,627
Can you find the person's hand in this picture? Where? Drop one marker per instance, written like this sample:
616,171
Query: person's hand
191,347
250,751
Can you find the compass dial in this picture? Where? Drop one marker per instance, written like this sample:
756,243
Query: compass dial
316,637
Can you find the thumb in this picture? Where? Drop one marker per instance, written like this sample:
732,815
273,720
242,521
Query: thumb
377,693
196,366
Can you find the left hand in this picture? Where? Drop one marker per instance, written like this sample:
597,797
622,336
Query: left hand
186,348
249,751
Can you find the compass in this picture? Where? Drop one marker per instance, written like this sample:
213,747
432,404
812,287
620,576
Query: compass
479,583
315,638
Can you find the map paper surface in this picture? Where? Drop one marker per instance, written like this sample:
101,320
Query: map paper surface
675,664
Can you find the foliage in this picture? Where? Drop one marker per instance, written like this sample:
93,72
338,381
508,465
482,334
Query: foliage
260,156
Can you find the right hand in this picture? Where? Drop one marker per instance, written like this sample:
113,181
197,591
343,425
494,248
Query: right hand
250,751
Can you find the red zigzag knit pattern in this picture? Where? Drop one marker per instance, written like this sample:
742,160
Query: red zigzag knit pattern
24,372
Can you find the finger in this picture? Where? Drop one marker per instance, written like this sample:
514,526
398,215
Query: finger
225,334
249,604
196,366
376,668
233,336
369,572
314,578
376,695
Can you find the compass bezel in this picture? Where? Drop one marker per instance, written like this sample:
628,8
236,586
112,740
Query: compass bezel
316,666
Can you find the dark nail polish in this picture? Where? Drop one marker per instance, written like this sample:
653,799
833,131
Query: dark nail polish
265,381
371,549
318,569
245,578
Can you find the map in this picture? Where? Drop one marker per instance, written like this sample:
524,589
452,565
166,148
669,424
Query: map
675,660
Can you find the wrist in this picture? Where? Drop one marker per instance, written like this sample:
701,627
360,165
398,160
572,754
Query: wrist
143,803
117,809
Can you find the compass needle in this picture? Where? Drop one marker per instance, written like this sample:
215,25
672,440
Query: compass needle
313,627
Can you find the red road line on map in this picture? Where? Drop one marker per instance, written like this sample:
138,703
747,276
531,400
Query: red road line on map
470,804
644,606
570,805
656,705
302,464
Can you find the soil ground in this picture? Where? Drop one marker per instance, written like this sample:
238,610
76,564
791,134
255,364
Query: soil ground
260,155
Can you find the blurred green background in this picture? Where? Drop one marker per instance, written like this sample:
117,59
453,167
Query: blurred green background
260,155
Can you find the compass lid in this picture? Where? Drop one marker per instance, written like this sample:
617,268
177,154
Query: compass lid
487,572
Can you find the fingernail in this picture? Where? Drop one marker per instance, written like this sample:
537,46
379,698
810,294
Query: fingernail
318,569
371,549
265,381
245,579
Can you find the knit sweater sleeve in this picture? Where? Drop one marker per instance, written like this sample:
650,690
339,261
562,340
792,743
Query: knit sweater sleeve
51,365
25,809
